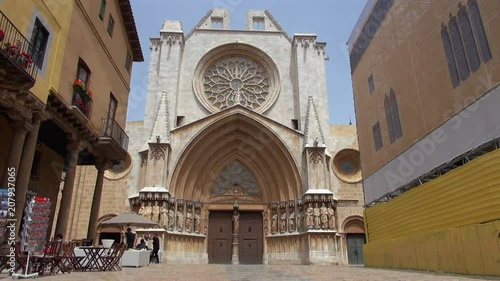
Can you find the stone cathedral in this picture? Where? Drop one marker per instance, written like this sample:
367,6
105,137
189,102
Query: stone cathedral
236,159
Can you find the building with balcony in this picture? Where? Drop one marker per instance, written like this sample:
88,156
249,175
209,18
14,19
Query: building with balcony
72,75
426,86
235,158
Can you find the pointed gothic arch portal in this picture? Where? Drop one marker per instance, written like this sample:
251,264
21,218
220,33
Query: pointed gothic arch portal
236,159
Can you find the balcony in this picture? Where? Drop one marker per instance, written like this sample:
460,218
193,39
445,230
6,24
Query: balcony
82,101
113,141
17,68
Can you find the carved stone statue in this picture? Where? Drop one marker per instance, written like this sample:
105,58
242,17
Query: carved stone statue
189,220
274,223
156,212
317,218
205,227
266,222
180,220
331,218
164,214
171,218
299,219
324,216
197,221
291,221
310,216
141,210
283,222
148,211
236,223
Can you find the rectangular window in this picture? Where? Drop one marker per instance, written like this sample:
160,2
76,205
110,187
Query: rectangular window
371,86
217,22
128,62
39,40
113,104
377,136
102,10
83,73
180,120
295,124
111,25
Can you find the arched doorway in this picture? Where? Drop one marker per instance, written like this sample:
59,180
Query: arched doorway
355,239
244,163
108,232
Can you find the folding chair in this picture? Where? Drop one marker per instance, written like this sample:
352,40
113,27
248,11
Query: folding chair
49,262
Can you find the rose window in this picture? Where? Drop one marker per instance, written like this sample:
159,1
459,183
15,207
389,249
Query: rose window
236,80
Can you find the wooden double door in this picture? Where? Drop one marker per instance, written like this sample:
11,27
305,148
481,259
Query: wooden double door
220,238
355,242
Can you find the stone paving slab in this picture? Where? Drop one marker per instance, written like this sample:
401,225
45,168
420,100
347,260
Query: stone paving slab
172,272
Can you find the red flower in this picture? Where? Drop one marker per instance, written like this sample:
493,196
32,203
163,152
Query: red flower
2,34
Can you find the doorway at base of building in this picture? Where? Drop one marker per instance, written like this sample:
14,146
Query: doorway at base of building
355,242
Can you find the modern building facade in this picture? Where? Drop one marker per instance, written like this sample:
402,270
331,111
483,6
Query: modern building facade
235,158
425,78
66,68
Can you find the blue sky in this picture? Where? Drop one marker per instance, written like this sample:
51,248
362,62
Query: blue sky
332,20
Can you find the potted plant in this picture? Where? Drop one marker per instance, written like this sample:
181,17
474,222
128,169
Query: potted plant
80,89
26,60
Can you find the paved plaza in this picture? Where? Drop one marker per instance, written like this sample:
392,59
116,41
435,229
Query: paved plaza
156,272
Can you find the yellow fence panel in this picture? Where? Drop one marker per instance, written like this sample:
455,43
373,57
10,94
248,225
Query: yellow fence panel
490,250
472,249
443,243
473,259
458,256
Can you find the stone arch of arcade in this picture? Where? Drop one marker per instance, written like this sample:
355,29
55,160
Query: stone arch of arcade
237,137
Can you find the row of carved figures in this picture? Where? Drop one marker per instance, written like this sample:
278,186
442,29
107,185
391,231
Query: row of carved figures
317,218
167,217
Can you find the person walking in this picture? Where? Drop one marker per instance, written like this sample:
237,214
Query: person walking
156,248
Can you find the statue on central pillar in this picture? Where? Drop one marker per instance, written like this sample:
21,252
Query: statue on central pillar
236,223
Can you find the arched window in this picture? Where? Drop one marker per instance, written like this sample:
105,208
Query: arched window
448,50
468,39
388,117
478,27
458,47
398,132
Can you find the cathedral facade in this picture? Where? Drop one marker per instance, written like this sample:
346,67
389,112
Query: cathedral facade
236,159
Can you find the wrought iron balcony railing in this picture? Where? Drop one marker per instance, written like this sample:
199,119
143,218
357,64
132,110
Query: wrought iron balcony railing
111,129
15,47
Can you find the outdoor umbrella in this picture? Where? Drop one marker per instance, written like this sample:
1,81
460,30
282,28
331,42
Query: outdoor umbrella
130,218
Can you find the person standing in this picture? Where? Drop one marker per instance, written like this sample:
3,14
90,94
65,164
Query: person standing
130,236
156,248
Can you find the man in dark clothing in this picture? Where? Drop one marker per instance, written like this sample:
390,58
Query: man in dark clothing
156,248
130,238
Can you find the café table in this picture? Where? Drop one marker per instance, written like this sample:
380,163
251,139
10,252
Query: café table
92,259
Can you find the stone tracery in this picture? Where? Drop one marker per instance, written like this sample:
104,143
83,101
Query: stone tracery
236,80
